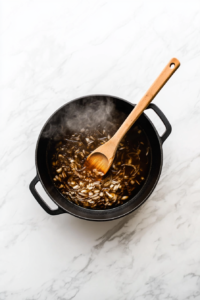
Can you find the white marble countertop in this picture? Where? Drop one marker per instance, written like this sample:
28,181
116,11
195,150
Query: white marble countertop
55,51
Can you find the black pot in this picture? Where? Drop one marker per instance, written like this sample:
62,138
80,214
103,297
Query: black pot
65,206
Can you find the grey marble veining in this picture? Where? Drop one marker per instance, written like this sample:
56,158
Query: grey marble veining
51,53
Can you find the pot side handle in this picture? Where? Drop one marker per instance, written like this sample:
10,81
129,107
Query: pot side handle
168,127
41,201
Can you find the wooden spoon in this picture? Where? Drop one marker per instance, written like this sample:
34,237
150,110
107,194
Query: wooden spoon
101,158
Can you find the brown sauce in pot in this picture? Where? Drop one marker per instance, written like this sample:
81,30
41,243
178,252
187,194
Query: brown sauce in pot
85,188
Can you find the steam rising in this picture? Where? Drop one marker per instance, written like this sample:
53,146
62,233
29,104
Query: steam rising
87,112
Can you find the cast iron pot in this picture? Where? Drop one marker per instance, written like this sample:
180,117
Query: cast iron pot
52,127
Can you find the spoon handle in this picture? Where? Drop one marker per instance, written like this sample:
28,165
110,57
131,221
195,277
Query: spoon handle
164,76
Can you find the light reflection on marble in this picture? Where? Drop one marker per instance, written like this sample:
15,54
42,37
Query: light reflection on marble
53,52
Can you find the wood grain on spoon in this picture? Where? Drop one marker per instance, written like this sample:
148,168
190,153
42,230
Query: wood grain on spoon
101,158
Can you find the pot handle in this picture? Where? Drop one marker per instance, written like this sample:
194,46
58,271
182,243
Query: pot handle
50,211
168,127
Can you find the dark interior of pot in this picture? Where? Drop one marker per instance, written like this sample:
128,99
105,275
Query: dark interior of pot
93,110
